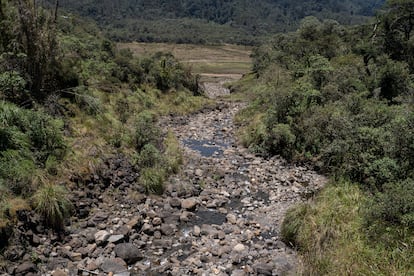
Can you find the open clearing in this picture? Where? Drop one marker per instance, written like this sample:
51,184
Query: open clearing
210,61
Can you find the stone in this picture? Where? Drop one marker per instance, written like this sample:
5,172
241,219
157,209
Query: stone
189,204
239,247
148,229
112,266
129,252
116,238
175,202
75,257
25,268
101,237
156,221
59,272
199,172
167,229
196,231
231,218
263,268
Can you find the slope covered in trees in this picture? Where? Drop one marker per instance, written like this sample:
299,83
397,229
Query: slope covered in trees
341,100
239,21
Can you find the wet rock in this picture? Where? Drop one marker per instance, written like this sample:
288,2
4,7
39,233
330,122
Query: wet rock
129,252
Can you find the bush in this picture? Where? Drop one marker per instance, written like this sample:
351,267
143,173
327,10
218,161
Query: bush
149,156
145,130
392,207
152,179
52,202
173,155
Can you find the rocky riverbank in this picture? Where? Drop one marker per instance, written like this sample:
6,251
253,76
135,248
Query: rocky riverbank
219,216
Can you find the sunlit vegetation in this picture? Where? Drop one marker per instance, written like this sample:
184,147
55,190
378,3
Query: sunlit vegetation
211,21
70,99
341,99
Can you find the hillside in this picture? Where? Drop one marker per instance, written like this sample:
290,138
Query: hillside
232,21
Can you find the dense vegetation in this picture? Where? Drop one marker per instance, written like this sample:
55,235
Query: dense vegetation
236,21
341,98
63,89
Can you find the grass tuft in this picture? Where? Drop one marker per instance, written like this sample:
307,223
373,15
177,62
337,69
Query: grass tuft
52,202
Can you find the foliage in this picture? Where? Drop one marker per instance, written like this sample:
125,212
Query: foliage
145,130
52,202
211,21
173,155
347,109
329,234
152,179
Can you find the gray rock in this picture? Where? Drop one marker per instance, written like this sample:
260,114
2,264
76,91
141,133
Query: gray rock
116,238
175,202
264,269
156,221
25,268
129,252
167,229
101,237
110,265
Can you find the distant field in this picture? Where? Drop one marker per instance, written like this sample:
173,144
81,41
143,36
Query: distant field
223,61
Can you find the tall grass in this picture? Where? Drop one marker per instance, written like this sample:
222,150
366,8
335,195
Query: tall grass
52,202
332,240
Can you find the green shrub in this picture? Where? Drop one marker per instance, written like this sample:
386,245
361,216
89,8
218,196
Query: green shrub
173,155
18,171
392,207
149,156
52,202
152,179
145,130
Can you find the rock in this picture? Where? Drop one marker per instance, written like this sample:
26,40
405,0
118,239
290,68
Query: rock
134,222
197,231
25,268
189,204
129,252
156,221
175,202
75,256
101,237
167,229
199,172
116,238
148,229
59,272
185,216
231,218
238,272
239,248
112,266
264,269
